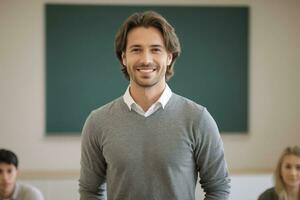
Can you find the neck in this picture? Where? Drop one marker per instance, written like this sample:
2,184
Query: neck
146,96
293,193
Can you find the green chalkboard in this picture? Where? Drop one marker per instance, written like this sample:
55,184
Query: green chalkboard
83,73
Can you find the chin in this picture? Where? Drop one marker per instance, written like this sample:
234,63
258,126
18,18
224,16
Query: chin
146,83
293,185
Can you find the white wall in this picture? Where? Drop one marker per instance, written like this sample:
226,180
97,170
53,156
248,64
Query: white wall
244,187
274,86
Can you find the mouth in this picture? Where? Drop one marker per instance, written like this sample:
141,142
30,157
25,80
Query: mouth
146,70
294,179
6,184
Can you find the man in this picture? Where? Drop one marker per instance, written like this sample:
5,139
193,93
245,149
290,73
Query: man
10,189
150,144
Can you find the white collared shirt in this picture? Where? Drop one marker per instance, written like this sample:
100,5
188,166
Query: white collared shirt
161,102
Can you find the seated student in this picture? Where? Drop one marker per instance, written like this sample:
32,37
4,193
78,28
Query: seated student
287,177
10,189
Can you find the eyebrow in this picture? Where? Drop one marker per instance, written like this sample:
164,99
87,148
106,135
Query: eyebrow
292,164
134,46
138,46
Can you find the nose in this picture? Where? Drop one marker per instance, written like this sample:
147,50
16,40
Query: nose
5,176
146,58
293,171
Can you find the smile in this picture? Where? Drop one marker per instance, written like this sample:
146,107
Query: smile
146,70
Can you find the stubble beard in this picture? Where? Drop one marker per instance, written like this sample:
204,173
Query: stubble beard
143,81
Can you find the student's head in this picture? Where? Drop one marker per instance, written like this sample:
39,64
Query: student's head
287,173
147,21
8,172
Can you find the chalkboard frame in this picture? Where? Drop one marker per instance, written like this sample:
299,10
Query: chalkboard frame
82,72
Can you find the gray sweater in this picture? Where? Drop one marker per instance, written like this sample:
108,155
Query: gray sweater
130,157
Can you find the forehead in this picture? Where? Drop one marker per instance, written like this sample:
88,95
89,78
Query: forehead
291,159
145,36
6,166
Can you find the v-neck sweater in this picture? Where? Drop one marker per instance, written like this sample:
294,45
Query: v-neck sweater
126,156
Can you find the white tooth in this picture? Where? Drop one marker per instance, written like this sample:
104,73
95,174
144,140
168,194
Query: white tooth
146,70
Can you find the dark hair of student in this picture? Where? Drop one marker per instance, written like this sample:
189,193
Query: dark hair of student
9,157
148,19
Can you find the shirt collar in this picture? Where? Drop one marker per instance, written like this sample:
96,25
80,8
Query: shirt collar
163,99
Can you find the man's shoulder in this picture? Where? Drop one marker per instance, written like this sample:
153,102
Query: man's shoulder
109,107
28,192
192,110
186,103
106,112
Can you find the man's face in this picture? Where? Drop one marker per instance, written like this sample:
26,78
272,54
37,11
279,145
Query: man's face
8,175
146,57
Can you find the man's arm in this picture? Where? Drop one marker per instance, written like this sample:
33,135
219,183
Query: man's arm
209,156
93,166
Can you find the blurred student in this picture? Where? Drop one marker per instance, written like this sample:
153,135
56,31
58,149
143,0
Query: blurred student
287,177
10,189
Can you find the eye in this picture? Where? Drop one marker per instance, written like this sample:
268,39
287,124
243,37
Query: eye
287,166
298,167
156,50
135,50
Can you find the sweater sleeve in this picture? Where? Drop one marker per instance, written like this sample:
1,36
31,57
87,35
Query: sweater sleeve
92,181
210,160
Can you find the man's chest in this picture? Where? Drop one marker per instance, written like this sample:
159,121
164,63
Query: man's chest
159,146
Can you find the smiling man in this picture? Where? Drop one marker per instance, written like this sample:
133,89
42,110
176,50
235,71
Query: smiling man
151,143
10,189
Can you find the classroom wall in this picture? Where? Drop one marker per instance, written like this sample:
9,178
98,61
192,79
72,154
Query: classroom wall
274,86
243,187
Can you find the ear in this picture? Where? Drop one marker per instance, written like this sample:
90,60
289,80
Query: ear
124,59
169,59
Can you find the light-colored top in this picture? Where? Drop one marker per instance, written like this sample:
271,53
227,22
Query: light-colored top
126,156
25,192
161,102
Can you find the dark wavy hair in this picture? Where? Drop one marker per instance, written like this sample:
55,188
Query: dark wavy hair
9,157
148,19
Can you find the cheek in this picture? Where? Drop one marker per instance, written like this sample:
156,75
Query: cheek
129,62
13,176
284,173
